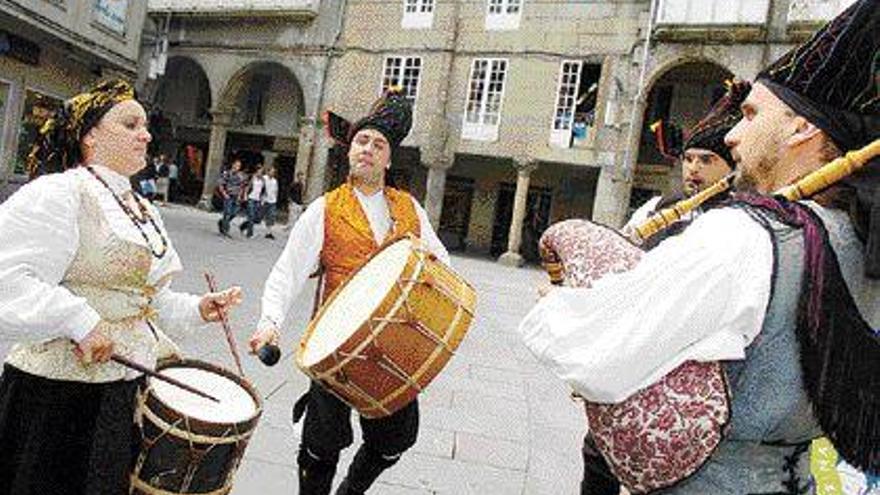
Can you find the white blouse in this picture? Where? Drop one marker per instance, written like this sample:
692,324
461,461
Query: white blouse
701,295
302,254
270,184
256,191
38,226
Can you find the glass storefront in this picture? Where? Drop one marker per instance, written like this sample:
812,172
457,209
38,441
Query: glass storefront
38,107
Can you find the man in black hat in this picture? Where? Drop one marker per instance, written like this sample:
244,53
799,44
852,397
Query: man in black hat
339,232
705,158
785,294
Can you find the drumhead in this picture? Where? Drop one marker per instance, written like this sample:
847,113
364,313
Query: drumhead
236,404
356,301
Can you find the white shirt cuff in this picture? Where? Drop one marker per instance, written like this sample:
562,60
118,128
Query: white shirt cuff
80,325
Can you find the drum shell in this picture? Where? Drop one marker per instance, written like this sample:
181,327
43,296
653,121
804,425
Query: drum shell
406,342
215,449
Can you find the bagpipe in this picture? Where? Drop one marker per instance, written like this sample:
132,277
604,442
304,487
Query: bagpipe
644,453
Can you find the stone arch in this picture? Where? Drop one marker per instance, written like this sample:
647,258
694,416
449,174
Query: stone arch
681,91
256,118
184,92
284,103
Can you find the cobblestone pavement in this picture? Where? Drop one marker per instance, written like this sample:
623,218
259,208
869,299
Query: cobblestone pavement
493,423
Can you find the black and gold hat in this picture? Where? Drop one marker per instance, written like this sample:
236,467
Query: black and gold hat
709,132
57,147
833,79
391,115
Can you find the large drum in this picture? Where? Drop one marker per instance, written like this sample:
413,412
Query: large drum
388,330
190,444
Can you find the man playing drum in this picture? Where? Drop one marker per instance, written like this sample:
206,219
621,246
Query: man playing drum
785,294
339,232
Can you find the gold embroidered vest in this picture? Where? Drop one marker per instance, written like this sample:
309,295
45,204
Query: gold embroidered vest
348,239
111,274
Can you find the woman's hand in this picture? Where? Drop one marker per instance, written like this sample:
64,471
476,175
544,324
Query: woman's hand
214,303
96,347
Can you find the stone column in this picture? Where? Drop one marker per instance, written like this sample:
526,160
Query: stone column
221,119
305,150
435,188
10,135
514,238
317,176
612,194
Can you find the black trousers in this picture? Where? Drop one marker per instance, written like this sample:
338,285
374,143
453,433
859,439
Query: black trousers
598,478
327,429
65,438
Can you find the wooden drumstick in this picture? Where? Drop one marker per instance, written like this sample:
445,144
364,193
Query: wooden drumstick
116,358
230,339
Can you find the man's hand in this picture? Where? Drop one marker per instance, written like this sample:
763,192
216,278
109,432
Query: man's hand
268,335
96,347
543,290
213,303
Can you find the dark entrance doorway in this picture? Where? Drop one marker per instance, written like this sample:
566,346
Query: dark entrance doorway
536,220
455,218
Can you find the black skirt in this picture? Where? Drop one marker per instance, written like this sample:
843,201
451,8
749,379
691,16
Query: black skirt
65,438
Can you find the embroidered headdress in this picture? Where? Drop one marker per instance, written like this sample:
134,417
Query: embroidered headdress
58,145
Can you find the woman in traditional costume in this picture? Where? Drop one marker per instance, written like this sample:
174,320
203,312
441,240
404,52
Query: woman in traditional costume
85,268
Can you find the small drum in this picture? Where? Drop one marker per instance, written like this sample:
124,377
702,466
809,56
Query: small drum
388,330
190,444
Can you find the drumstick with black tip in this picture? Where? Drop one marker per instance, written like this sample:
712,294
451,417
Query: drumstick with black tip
116,358
269,354
230,339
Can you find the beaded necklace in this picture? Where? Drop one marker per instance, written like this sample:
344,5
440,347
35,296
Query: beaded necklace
137,221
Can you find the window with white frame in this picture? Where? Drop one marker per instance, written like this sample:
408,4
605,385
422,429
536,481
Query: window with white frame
482,113
811,11
712,12
417,14
575,113
503,14
404,72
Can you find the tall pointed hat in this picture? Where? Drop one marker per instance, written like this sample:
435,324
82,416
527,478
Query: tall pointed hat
834,78
391,115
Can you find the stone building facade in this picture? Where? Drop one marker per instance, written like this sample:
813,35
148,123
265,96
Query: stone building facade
517,108
696,44
51,50
231,79
526,112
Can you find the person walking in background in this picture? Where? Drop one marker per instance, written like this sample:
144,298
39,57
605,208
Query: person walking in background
232,188
270,200
254,203
147,181
173,178
162,182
